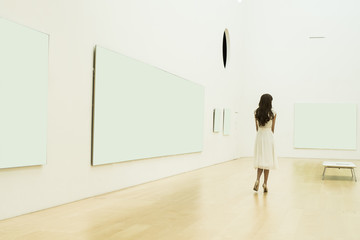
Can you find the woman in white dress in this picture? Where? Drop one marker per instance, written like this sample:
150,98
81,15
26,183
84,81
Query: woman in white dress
264,157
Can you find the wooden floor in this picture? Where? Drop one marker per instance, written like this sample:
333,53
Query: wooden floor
214,203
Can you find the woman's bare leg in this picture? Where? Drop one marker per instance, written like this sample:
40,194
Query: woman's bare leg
266,175
259,172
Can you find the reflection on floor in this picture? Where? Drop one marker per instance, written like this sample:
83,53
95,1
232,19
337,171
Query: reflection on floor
214,203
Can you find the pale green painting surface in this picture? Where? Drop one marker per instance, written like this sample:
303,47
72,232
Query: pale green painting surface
325,125
23,95
141,111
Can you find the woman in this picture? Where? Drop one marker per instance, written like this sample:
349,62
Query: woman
265,158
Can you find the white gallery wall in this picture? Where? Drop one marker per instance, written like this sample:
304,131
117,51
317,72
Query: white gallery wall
182,37
299,51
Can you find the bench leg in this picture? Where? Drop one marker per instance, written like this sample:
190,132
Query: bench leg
323,173
354,175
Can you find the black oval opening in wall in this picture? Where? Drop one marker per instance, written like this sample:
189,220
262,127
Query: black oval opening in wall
225,47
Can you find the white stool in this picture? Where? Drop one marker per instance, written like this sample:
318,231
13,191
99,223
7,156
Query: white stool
346,165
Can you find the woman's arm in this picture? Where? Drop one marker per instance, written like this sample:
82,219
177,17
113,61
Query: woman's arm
273,124
256,124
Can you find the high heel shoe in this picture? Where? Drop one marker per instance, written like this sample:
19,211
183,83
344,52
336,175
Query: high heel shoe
256,186
265,188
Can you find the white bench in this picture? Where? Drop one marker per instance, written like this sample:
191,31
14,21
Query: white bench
346,165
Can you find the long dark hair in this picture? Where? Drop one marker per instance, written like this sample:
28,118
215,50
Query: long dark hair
263,113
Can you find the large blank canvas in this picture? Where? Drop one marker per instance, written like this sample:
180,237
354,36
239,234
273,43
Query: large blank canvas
325,125
141,111
23,95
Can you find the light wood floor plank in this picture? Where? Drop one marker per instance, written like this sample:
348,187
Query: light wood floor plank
214,203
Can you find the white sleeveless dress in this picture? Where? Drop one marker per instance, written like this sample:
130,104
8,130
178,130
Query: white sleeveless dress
265,157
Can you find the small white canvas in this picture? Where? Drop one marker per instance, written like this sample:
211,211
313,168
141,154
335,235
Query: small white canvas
216,120
227,121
